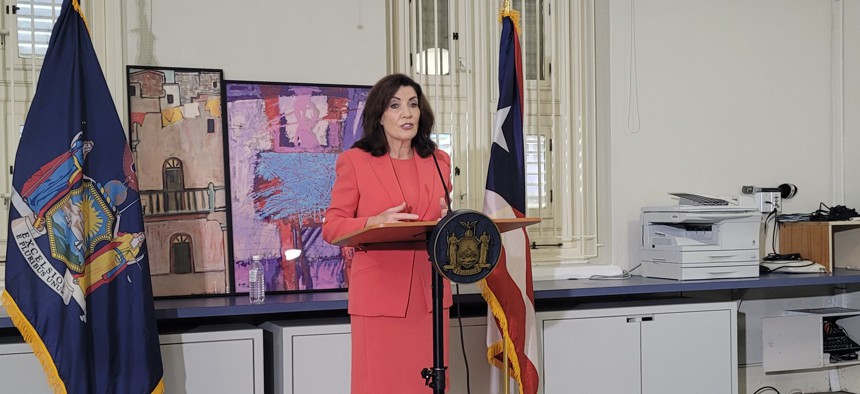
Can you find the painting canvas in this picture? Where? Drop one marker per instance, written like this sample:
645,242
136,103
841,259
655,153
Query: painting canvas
176,132
283,141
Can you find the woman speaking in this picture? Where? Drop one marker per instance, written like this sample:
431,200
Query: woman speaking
391,175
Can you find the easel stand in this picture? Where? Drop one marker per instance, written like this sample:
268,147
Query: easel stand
407,232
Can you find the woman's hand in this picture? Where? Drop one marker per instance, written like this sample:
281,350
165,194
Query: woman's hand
391,215
443,207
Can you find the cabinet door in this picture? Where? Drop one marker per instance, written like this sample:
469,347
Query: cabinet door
591,355
475,340
228,361
689,352
20,371
323,363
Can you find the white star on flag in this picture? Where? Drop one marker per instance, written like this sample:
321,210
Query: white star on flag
498,135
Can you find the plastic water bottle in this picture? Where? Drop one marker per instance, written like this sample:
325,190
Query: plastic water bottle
257,281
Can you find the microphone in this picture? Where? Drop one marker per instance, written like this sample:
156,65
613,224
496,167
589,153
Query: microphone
787,190
444,185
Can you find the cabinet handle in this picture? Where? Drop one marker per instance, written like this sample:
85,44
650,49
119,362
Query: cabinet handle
631,320
647,318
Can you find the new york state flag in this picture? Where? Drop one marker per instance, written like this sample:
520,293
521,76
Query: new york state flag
77,275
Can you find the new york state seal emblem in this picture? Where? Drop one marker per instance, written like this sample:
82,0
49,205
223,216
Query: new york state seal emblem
465,246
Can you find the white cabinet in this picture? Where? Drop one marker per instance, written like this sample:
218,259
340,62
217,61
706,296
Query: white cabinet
475,340
310,356
796,341
314,356
665,348
214,359
207,360
20,371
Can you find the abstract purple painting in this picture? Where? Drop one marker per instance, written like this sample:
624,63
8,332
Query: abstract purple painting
283,140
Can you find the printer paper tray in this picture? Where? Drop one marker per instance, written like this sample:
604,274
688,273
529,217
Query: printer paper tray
701,256
676,271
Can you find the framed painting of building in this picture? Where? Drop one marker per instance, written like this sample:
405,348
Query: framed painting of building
176,133
283,141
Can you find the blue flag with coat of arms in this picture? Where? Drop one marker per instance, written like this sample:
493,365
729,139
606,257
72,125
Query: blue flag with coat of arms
77,275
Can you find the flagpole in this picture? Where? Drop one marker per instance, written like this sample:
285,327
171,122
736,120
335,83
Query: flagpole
505,362
506,10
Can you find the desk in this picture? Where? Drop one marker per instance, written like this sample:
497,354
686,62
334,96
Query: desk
586,299
301,304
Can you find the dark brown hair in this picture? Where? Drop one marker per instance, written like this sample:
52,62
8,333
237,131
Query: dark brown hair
373,136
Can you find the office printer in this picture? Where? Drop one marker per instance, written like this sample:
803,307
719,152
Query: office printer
689,242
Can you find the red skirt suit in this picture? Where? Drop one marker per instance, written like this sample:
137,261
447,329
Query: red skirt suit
390,302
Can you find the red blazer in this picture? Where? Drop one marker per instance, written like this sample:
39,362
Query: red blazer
380,280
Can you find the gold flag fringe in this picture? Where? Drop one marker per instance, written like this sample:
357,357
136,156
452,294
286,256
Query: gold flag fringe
506,343
159,389
32,337
39,349
77,6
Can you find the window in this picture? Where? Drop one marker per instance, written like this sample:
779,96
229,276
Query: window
443,141
173,197
173,174
534,40
536,179
181,261
30,26
455,59
30,23
35,21
432,55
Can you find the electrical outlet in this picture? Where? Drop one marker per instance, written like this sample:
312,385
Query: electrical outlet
768,201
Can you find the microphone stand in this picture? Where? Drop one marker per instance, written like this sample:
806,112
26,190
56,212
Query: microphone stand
435,377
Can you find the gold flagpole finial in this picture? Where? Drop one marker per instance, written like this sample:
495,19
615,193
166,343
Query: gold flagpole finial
510,13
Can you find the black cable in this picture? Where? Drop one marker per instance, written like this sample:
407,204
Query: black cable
444,185
463,342
775,233
763,389
774,255
790,266
820,214
775,228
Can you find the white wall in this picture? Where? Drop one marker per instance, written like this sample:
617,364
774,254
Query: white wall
851,78
726,93
332,41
